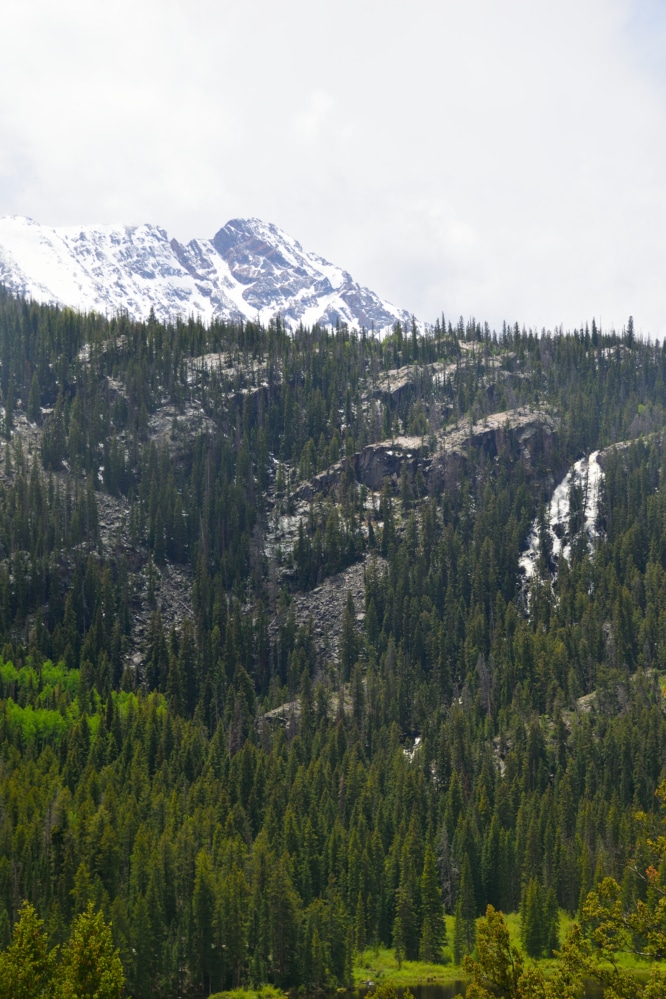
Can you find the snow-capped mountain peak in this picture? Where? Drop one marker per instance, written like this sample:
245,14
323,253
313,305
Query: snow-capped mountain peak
250,269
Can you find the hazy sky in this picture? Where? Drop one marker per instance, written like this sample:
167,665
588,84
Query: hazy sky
498,158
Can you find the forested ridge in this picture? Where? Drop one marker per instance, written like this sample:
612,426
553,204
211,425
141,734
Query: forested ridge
170,496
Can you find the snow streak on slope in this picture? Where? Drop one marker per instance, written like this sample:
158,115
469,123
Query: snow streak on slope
586,474
249,270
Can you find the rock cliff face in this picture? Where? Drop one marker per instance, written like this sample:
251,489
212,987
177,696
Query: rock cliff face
439,459
533,429
387,460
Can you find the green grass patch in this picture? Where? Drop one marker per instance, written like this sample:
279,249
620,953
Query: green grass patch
264,992
624,960
380,965
513,924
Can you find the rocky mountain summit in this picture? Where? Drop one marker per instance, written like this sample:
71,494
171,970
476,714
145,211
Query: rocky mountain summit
249,270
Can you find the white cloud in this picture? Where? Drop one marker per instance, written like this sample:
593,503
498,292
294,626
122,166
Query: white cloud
307,125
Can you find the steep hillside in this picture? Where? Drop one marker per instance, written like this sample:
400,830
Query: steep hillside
308,637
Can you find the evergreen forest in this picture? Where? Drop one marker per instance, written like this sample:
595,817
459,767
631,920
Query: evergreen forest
274,687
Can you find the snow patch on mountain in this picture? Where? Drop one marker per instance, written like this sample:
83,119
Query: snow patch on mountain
250,269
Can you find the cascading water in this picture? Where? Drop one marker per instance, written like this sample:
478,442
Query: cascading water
586,474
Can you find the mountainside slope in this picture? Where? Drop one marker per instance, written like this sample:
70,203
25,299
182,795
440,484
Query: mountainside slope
250,270
270,663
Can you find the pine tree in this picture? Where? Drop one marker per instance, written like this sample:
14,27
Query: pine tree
532,928
491,866
26,966
458,934
33,411
433,930
465,914
10,401
90,964
53,438
348,637
204,911
403,924
283,918
551,918
359,925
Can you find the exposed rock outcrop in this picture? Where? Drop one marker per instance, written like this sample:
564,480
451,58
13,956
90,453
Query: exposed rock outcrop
325,606
439,458
396,383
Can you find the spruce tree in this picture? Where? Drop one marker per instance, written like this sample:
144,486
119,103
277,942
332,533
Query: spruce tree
465,922
26,966
34,399
433,930
403,924
532,929
359,925
348,638
90,964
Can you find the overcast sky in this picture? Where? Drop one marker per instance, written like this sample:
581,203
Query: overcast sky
498,158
